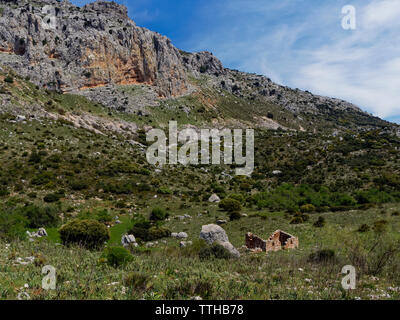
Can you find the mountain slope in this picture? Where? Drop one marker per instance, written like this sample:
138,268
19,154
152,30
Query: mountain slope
98,51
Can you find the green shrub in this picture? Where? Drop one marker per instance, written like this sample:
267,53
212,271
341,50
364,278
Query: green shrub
103,216
322,256
137,281
237,197
9,79
12,225
380,226
297,219
4,192
149,234
117,256
41,216
52,197
363,228
235,216
320,223
215,251
158,214
88,233
395,213
307,208
78,185
230,205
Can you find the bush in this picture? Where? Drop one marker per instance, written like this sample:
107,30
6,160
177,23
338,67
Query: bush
158,214
395,213
9,79
363,228
230,205
103,216
236,196
235,216
88,233
117,256
41,216
52,197
320,223
12,225
322,256
380,226
297,219
142,232
307,208
78,185
137,281
216,251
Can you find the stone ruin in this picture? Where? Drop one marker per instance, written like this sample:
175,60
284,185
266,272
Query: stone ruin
277,241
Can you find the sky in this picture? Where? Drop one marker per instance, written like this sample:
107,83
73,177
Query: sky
297,43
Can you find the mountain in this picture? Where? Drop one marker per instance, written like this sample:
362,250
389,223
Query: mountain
96,49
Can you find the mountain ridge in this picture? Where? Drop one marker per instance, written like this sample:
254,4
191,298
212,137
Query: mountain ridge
97,48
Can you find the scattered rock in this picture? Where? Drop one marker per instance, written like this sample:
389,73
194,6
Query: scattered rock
214,199
180,235
20,118
42,232
128,239
184,244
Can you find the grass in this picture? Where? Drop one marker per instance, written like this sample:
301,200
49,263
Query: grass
174,273
119,230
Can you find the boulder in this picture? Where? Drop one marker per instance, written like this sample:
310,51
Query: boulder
42,232
180,235
128,239
214,199
228,246
212,233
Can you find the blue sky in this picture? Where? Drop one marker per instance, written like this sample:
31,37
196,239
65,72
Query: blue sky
298,43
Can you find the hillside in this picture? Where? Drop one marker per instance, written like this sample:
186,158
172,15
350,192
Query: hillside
75,105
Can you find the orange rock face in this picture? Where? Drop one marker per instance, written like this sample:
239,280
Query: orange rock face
92,46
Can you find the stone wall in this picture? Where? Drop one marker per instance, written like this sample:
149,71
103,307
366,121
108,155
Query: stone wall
277,241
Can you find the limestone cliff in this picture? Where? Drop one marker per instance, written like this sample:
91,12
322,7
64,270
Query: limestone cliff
91,46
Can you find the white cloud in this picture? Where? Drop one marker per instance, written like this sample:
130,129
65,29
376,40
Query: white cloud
302,44
362,66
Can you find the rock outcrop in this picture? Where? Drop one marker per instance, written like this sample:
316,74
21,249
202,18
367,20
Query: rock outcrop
87,47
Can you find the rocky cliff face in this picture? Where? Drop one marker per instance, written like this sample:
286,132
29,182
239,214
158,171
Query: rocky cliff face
89,47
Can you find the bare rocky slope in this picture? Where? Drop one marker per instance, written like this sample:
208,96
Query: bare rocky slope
97,48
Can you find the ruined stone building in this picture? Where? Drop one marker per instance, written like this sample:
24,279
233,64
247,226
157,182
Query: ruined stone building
277,241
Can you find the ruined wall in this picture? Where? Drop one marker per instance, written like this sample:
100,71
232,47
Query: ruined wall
254,242
277,241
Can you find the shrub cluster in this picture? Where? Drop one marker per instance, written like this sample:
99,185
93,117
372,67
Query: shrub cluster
90,234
